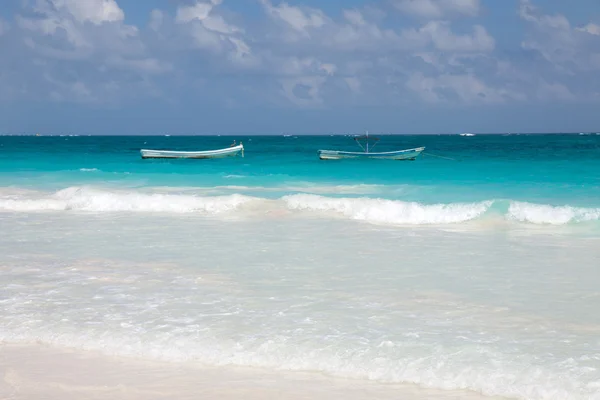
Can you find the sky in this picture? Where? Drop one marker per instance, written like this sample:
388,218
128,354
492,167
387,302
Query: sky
299,66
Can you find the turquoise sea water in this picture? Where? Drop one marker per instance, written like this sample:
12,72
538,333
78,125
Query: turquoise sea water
476,271
543,169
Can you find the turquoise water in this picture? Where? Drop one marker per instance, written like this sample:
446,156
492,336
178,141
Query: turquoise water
546,169
477,271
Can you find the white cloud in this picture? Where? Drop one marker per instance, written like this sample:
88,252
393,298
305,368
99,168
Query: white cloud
444,40
217,24
310,25
205,38
296,66
363,35
357,32
436,9
304,77
529,12
355,17
368,36
83,52
294,54
553,37
94,11
212,32
330,69
199,11
203,12
241,54
51,25
156,19
590,28
301,20
68,18
466,87
429,57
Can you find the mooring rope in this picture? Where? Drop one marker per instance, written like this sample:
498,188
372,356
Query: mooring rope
446,158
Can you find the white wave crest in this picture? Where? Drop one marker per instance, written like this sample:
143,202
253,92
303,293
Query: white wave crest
85,199
372,210
550,215
89,169
389,211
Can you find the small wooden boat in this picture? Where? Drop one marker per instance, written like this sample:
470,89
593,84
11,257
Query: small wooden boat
408,154
227,152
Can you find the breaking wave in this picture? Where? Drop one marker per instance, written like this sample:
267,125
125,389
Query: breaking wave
85,199
389,211
555,215
373,210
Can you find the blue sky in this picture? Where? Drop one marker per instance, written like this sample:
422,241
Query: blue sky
299,66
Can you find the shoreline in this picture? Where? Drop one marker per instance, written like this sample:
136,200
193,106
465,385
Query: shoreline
37,371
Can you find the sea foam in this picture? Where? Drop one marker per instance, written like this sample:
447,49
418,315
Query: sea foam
553,215
86,199
367,209
476,368
389,211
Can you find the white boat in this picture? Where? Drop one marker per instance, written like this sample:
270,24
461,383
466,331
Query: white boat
227,152
408,154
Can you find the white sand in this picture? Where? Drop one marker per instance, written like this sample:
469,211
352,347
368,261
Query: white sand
35,372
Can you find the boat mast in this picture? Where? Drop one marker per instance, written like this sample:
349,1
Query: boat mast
367,141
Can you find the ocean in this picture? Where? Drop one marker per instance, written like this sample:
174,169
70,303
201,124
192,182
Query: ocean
475,267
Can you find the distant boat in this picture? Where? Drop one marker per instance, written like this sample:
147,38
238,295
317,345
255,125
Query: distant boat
408,154
226,152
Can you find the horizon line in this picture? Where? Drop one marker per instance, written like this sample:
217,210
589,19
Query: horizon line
293,134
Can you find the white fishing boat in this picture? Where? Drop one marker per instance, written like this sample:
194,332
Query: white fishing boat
408,154
226,152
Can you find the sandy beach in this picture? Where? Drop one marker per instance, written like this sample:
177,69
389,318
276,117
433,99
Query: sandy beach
38,372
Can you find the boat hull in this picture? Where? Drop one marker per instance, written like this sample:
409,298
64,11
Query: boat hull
409,154
227,152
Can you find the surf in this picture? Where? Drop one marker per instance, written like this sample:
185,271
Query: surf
364,208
